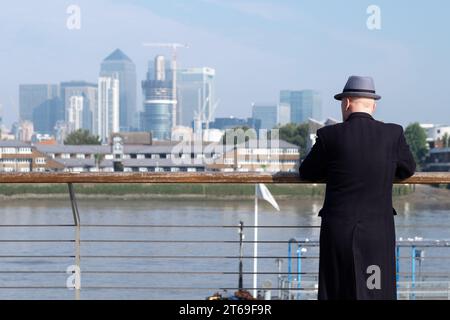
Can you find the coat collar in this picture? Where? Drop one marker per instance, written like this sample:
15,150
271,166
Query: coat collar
359,115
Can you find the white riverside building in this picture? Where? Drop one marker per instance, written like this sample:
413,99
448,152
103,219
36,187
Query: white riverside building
136,158
106,118
174,157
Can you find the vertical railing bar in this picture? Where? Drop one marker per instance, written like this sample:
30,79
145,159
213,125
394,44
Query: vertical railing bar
73,202
76,220
299,270
241,254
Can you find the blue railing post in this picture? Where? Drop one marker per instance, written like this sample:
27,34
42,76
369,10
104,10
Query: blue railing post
299,270
289,262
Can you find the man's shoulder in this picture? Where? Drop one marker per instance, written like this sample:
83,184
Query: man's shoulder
392,126
335,128
329,127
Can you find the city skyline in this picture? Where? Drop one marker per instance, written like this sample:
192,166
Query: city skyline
319,58
195,91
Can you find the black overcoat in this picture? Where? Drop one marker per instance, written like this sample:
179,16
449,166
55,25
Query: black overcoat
359,159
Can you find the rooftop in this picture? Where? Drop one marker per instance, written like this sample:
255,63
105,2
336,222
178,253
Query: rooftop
13,144
117,55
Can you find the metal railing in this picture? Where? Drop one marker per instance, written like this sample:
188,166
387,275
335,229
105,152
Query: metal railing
225,271
411,285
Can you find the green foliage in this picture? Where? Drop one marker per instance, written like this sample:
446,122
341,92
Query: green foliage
294,191
416,137
81,137
445,140
296,134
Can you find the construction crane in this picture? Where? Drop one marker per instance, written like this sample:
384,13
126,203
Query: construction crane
174,47
203,114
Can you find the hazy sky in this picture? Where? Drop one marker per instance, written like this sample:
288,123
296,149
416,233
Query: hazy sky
256,47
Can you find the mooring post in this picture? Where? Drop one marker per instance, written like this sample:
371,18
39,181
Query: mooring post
76,220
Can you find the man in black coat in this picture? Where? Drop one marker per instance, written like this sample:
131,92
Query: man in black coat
358,159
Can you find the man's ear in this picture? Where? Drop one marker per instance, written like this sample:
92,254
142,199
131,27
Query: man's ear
347,104
374,107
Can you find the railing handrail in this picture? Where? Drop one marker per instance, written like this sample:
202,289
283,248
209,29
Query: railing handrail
190,177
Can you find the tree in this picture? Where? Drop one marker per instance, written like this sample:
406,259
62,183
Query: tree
445,140
416,137
98,160
296,134
80,137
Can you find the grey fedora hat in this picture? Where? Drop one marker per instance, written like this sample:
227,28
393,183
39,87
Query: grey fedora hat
359,87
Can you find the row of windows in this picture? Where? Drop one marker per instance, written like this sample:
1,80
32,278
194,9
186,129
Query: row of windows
9,150
162,169
292,162
14,161
268,151
138,169
132,156
13,169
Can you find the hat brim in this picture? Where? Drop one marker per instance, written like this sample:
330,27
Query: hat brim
369,95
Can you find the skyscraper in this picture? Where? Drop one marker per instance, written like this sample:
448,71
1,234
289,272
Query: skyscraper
267,114
304,104
196,94
47,114
75,113
158,100
33,95
107,118
284,114
120,64
88,92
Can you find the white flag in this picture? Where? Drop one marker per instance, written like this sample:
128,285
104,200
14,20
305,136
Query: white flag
264,193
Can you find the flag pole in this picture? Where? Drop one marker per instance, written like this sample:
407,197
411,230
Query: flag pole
255,245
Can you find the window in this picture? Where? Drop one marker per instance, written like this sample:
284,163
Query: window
25,150
9,150
40,161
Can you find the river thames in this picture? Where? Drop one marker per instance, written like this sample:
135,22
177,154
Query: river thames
151,268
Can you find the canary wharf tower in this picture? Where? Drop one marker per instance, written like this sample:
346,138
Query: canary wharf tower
118,63
158,100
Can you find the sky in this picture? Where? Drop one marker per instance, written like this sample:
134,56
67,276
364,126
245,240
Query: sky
258,47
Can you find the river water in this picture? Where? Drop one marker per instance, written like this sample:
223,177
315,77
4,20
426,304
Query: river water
151,269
